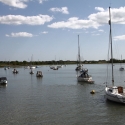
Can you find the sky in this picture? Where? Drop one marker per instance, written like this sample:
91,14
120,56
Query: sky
46,30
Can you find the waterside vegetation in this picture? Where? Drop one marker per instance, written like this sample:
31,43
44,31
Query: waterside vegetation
59,62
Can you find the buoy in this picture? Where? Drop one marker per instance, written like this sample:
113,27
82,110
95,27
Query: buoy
92,92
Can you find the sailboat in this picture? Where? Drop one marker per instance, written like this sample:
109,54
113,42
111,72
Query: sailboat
31,72
54,67
32,67
121,68
15,71
85,77
79,65
114,93
27,65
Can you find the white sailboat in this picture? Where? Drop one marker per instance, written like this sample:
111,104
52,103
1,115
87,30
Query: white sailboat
15,71
84,77
114,93
79,65
32,67
54,67
121,67
27,65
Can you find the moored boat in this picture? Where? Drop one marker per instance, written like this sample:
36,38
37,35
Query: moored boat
31,72
15,71
3,81
121,68
39,74
114,93
84,77
5,68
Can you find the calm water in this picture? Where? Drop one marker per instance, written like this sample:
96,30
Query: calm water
58,99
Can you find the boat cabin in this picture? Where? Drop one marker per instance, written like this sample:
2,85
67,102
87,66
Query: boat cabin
84,73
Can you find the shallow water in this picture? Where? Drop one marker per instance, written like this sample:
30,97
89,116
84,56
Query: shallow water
58,99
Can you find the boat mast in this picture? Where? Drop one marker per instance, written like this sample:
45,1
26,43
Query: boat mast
32,60
111,47
121,60
78,51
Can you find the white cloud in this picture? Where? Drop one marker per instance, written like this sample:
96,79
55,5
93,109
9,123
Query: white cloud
19,3
41,1
29,20
86,32
7,35
101,30
94,20
122,37
15,3
20,34
77,32
75,23
99,9
63,10
96,34
44,32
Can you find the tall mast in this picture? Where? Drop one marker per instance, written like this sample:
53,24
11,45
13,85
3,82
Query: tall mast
121,60
78,51
111,46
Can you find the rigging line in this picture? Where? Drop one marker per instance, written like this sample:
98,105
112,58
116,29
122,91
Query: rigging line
108,59
116,45
117,53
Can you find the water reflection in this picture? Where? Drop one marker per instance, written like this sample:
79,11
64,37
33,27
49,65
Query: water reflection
57,98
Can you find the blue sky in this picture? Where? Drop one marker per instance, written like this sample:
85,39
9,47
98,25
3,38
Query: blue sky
49,29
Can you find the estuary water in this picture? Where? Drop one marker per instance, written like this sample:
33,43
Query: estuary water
58,99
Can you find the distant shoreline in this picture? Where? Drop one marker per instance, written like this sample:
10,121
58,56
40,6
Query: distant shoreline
53,62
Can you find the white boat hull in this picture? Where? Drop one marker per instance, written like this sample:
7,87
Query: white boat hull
59,66
32,67
2,82
83,79
27,67
55,68
115,97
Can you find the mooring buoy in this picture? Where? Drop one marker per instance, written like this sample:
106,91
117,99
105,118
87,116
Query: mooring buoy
92,92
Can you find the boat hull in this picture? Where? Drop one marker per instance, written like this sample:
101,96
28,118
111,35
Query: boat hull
3,84
39,75
32,67
114,97
83,79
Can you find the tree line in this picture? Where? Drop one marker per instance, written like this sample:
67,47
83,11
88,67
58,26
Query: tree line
53,62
